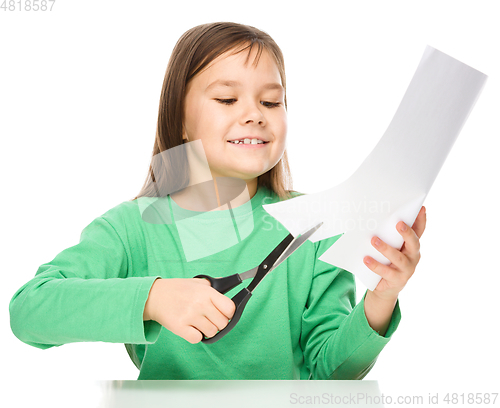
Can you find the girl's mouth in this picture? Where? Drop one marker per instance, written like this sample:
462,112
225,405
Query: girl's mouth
247,141
253,145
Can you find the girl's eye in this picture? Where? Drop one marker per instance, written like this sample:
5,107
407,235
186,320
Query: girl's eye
233,100
270,104
226,101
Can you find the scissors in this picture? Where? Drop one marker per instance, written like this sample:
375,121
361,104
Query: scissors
282,251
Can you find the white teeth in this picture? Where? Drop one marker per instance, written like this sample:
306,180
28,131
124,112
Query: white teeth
247,141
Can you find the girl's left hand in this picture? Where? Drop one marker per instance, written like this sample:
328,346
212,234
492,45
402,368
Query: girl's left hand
403,262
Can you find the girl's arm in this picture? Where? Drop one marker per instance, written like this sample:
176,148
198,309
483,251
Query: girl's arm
378,312
342,339
337,340
85,294
380,303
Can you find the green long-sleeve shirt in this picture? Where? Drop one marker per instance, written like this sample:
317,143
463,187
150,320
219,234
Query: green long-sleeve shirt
302,321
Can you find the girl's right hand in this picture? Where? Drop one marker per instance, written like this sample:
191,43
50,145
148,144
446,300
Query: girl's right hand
188,308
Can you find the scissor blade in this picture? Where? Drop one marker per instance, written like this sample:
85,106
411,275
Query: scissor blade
249,274
290,249
296,243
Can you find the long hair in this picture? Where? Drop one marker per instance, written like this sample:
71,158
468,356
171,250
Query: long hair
197,48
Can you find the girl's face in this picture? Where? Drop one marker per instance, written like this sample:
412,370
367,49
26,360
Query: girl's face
231,100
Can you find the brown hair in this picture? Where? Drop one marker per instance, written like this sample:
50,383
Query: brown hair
195,49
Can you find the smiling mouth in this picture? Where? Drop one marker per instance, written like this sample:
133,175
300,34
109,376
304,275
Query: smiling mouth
247,142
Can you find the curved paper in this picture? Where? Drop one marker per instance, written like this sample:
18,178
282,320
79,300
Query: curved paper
393,181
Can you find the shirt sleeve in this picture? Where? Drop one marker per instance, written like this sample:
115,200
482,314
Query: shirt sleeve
337,340
85,294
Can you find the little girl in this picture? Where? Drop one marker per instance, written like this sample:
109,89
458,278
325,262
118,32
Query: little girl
130,278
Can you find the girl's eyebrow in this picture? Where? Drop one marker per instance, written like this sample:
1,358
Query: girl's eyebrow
235,84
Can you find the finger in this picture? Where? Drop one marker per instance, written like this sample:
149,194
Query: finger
397,258
205,326
420,222
190,334
411,247
384,271
203,281
223,304
216,317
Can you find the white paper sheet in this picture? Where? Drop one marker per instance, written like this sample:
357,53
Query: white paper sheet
393,181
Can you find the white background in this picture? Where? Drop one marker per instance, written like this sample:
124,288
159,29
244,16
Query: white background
79,93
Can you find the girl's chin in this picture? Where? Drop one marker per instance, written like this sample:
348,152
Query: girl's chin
245,171
247,175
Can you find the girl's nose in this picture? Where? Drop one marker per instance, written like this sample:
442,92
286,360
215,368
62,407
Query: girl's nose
260,122
252,114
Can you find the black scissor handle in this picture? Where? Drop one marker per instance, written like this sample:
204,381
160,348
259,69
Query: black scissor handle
223,285
240,300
